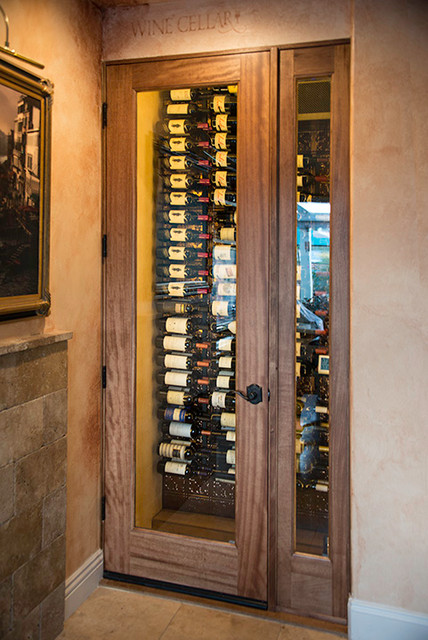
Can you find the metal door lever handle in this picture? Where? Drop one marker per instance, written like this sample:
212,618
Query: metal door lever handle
253,395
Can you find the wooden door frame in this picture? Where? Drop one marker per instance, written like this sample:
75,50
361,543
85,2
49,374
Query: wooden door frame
215,566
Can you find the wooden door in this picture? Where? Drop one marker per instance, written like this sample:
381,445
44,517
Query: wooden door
238,568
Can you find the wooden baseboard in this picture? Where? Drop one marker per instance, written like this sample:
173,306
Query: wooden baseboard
83,582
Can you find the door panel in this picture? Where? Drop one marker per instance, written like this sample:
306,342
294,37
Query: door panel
237,568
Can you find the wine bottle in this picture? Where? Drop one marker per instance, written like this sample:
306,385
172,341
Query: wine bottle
224,271
225,122
180,271
178,378
193,108
182,343
315,435
227,234
224,253
175,361
185,144
223,142
221,178
182,126
183,162
225,419
183,216
223,197
226,344
175,450
174,252
182,234
175,414
174,467
176,397
223,103
168,307
225,159
181,289
187,430
181,180
176,324
224,216
217,439
183,198
224,381
225,308
223,399
180,95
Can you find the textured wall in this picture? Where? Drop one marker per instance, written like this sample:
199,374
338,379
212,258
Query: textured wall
389,303
66,37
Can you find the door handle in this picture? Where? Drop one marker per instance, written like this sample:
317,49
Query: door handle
253,395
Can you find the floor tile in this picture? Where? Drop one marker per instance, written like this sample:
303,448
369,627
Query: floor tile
290,632
119,615
200,623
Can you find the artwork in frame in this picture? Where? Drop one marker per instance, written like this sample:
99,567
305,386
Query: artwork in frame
25,123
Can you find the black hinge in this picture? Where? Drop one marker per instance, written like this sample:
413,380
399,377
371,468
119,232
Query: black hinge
104,246
104,115
103,508
104,377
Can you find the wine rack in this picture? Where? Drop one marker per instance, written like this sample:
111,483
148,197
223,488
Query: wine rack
195,298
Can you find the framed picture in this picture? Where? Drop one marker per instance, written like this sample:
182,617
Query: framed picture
25,125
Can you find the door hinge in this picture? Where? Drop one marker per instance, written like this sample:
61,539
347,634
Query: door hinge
104,377
103,508
104,115
104,246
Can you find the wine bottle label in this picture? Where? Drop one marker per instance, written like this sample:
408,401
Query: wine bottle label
180,94
176,379
299,181
176,325
175,397
177,144
178,109
223,252
298,272
220,197
219,103
178,235
220,141
231,471
174,343
223,382
232,88
178,180
177,271
227,233
177,162
297,369
300,161
220,178
218,399
225,271
221,122
220,308
175,362
177,216
176,253
297,311
177,197
319,409
221,158
180,429
298,291
228,420
170,450
321,487
172,413
178,468
230,456
225,362
176,289
230,436
227,289
225,344
232,326
298,349
176,126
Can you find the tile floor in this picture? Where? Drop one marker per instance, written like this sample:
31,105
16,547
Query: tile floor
118,614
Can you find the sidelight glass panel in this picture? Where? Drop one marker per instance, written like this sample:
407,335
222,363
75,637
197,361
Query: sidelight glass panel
312,315
186,311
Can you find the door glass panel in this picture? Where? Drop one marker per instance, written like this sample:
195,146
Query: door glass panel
186,311
312,315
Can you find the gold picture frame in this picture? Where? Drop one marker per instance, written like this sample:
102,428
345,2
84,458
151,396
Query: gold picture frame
25,138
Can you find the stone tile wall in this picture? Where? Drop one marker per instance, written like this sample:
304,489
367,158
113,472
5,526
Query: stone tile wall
33,451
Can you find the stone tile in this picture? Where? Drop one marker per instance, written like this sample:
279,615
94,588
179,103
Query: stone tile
27,628
291,632
54,416
40,473
52,614
54,508
7,493
21,430
5,606
20,540
38,578
26,375
212,624
120,615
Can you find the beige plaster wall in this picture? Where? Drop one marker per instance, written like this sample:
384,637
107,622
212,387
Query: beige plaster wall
390,303
389,176
66,37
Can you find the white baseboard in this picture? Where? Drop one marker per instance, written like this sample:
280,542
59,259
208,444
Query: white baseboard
371,621
83,582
